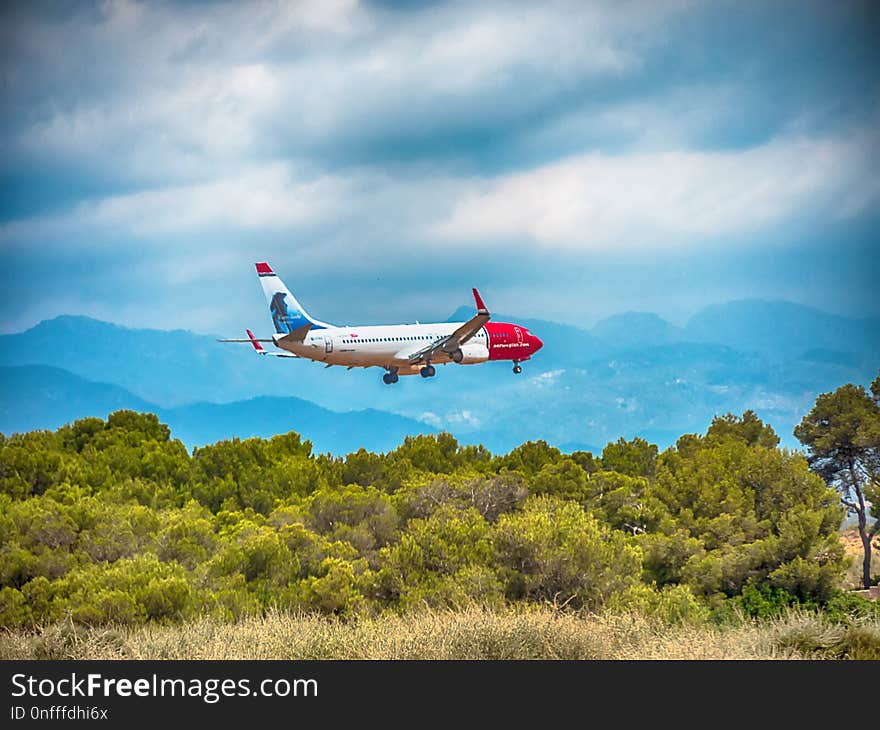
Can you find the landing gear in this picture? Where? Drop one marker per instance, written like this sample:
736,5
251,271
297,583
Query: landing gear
517,368
428,371
390,377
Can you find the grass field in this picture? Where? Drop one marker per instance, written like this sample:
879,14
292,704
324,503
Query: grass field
469,634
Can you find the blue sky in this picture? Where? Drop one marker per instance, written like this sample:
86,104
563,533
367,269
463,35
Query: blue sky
573,160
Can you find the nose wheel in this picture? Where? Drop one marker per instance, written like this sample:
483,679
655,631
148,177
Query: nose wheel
390,377
428,371
517,368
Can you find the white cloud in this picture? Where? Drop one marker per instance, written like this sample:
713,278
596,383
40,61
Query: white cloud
330,132
432,419
462,66
463,417
200,125
260,198
184,93
595,202
602,202
264,198
548,378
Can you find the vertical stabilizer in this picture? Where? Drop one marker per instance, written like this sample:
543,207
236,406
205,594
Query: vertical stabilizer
287,313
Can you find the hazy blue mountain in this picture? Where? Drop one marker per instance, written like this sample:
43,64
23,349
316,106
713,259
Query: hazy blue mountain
34,397
777,329
783,329
643,376
833,357
41,397
164,367
636,329
570,446
339,433
169,368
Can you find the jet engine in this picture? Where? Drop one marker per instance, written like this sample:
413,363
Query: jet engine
470,353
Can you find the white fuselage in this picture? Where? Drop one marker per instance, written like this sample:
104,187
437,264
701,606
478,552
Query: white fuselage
387,346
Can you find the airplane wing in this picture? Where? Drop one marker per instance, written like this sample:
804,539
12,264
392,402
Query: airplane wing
450,343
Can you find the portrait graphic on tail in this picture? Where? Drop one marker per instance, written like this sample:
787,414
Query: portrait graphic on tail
280,315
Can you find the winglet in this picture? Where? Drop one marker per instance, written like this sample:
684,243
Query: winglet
257,346
263,269
481,308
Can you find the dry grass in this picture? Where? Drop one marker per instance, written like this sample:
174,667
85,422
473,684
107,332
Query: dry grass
468,634
803,634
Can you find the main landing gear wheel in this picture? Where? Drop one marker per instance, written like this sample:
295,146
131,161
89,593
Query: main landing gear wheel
389,378
517,368
428,371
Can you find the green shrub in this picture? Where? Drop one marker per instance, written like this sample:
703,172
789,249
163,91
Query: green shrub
114,521
554,551
671,604
335,591
14,611
765,602
863,641
843,607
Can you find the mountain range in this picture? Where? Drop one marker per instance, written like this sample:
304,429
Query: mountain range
630,374
41,397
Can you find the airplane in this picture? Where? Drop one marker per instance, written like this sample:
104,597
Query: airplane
399,349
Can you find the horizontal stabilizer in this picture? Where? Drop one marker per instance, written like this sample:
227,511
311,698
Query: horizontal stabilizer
248,340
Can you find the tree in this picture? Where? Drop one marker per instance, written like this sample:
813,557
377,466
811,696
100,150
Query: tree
563,478
636,458
442,561
752,510
490,495
750,429
554,551
529,458
363,516
432,453
842,435
623,502
586,461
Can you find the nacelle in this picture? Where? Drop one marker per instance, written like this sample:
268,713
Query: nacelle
471,353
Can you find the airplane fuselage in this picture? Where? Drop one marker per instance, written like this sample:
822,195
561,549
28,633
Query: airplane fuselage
400,349
391,346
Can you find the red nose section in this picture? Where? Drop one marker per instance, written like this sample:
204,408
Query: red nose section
511,342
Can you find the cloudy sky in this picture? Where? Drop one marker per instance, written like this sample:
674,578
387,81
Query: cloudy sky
573,160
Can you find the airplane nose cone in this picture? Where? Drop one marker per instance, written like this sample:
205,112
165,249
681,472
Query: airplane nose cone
537,343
